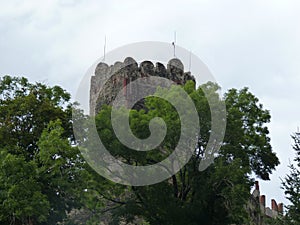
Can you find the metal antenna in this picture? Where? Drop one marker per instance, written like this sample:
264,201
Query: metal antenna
104,49
173,43
190,61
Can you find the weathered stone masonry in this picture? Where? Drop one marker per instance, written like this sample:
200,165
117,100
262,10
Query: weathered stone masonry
258,210
120,75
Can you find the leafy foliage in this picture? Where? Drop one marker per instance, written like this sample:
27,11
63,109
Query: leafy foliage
21,194
44,179
246,133
291,186
214,196
39,168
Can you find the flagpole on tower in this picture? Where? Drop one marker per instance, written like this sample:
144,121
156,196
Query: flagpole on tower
173,43
104,48
190,61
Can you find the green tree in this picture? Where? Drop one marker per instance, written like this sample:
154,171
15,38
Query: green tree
23,201
281,220
291,186
246,134
26,109
214,196
60,172
40,170
44,178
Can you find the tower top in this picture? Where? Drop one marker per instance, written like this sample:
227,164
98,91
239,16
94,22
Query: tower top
109,80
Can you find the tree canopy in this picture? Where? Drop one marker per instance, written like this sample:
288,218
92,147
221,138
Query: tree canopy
291,185
45,180
39,167
214,196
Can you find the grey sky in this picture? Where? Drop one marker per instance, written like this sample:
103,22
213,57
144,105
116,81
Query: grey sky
244,43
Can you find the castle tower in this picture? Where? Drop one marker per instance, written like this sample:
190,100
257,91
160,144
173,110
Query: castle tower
121,75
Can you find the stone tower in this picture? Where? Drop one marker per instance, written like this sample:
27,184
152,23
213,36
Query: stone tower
121,75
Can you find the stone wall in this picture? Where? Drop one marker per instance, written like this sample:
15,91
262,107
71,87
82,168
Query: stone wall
258,210
108,81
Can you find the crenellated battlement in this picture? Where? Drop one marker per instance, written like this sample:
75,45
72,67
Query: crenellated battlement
121,74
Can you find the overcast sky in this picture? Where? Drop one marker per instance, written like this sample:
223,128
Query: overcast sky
244,43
